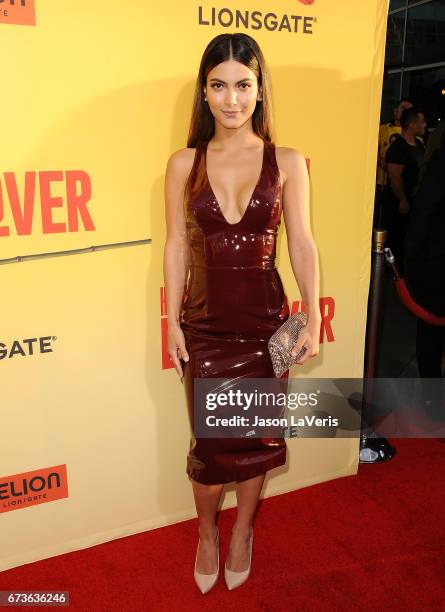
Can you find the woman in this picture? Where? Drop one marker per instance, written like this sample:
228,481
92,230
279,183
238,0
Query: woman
224,197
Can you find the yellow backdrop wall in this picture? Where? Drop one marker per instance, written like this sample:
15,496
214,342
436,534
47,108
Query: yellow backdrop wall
96,96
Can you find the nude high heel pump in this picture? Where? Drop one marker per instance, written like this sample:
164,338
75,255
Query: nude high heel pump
206,581
235,579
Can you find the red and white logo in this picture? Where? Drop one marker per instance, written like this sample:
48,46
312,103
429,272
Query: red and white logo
18,12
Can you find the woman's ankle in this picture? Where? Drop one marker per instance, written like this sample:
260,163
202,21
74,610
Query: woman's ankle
242,530
208,532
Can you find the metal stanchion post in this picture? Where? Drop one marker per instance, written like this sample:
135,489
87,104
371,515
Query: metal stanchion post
373,449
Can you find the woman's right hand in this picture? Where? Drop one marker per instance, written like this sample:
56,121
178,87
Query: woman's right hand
176,347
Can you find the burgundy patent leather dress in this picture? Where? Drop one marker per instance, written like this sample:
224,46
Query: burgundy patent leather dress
234,301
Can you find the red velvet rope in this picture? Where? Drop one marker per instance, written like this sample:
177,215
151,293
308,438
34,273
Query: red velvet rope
405,295
413,306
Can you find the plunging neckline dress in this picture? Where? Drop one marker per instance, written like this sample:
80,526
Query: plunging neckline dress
233,302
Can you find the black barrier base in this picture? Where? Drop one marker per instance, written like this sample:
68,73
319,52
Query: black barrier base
375,450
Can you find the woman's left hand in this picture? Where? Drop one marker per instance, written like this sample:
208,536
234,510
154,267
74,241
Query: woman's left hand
309,337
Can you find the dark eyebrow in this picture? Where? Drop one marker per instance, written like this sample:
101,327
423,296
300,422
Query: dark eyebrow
221,81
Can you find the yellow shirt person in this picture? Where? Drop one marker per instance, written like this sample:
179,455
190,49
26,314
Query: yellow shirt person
387,134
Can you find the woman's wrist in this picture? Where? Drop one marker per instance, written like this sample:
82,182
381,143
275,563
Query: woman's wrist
313,318
173,321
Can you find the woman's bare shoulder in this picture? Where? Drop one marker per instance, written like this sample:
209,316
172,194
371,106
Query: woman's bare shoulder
181,161
288,155
288,160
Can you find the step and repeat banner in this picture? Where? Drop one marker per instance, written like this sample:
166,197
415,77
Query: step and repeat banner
96,95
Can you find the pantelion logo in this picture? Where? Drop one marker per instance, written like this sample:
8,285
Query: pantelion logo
18,12
32,488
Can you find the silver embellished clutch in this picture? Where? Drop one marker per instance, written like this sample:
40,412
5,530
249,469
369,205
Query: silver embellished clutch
283,341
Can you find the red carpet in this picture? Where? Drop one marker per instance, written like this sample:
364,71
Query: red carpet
373,542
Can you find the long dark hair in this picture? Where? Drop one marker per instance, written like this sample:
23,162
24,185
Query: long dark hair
244,49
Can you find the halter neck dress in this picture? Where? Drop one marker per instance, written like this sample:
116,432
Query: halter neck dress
233,302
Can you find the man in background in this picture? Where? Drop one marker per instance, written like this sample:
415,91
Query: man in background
387,133
403,161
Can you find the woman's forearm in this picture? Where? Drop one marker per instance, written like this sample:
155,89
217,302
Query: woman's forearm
305,266
175,273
